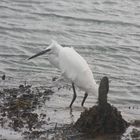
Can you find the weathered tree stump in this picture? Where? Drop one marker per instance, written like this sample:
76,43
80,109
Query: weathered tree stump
101,118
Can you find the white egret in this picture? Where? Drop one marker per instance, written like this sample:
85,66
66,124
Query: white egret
73,67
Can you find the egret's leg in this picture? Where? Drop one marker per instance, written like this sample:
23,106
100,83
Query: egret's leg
84,99
74,95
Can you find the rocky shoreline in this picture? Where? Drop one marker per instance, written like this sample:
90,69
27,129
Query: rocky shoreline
18,113
17,109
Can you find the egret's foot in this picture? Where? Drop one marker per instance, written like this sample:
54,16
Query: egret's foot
55,78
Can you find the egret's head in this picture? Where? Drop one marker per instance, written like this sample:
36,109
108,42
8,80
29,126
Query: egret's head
53,48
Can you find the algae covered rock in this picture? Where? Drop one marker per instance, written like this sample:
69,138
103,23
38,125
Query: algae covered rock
102,118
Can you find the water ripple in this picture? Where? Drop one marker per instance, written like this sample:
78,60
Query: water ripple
99,21
106,33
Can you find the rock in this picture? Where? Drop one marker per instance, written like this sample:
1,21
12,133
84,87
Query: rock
3,77
135,134
17,109
102,118
136,123
48,92
54,78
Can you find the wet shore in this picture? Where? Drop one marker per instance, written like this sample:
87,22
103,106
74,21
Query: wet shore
21,117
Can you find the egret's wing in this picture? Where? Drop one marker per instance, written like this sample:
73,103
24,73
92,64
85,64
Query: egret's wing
71,63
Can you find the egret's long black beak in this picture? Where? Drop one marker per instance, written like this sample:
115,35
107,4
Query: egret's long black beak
40,53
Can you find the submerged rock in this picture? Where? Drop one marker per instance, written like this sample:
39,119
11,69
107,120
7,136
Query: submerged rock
102,118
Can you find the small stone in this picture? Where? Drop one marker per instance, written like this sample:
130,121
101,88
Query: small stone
136,123
21,86
135,133
54,78
3,77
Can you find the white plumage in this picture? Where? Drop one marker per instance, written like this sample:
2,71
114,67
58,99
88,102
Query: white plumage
73,67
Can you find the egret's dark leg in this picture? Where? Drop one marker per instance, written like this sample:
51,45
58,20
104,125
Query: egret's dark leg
84,99
74,95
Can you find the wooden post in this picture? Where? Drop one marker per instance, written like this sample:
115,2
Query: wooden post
103,91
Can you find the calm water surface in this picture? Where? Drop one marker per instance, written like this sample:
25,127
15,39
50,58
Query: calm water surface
105,32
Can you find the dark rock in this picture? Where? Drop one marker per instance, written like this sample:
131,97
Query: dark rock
135,134
27,96
102,118
30,118
136,123
48,92
97,121
3,114
54,78
17,124
3,77
16,110
42,115
21,86
25,88
34,134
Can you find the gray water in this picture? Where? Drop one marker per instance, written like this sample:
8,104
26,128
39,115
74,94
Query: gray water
105,32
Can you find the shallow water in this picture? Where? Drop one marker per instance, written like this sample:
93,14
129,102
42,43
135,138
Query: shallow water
105,32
